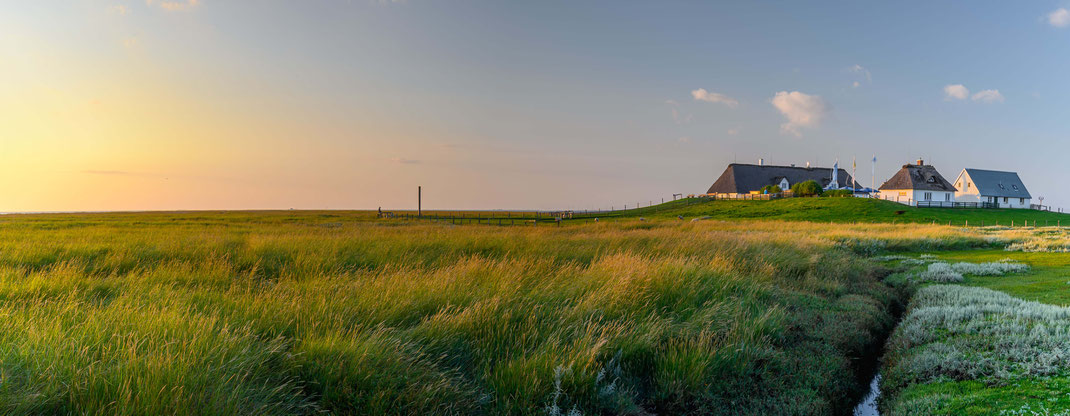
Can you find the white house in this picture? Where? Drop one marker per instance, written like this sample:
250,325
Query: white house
918,185
992,187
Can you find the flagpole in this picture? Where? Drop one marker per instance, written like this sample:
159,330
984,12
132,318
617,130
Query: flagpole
854,173
873,174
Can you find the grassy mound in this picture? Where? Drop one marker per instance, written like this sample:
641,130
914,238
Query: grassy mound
850,210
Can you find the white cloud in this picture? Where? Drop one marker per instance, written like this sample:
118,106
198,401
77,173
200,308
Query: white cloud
733,132
801,110
1059,18
988,96
712,97
859,69
855,85
173,6
120,10
130,42
955,92
684,139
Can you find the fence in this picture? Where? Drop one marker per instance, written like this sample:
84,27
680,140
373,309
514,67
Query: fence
947,204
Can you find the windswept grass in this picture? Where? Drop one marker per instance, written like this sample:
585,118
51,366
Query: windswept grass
293,313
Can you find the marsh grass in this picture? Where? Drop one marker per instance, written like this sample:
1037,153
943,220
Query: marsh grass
959,333
302,313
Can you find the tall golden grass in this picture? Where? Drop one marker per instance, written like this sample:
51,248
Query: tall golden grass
294,313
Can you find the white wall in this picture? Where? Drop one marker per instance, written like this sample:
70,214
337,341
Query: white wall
912,197
1012,202
967,190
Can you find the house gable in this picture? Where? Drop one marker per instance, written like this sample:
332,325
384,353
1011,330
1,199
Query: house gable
740,178
918,177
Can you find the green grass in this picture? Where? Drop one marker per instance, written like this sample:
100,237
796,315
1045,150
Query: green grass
1044,396
301,313
1048,281
861,210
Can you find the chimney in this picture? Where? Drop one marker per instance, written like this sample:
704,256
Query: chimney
921,162
761,162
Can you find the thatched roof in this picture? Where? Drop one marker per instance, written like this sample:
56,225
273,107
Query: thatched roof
918,177
740,178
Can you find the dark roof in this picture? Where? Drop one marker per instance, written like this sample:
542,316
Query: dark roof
998,183
918,177
740,178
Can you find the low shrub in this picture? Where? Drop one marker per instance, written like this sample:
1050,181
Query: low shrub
771,189
961,333
838,193
990,269
808,188
939,272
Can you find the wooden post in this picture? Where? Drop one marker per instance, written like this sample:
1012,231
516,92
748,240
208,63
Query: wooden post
420,200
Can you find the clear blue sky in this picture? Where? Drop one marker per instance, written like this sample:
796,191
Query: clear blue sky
548,104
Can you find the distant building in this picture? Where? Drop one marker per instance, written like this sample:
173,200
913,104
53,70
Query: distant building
740,178
992,187
918,184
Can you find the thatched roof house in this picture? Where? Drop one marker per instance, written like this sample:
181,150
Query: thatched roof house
740,178
918,183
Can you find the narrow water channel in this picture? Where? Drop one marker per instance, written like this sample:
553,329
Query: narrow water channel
868,406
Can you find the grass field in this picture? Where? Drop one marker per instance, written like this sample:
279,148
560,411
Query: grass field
983,352
295,313
339,312
850,210
837,210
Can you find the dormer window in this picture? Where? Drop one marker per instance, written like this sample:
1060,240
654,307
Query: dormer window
932,179
1015,187
1002,187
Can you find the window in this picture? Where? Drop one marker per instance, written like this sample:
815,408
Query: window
947,197
1004,199
928,196
1002,187
932,179
967,186
1021,201
1015,187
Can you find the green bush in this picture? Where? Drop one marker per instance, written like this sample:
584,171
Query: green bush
838,193
771,189
808,188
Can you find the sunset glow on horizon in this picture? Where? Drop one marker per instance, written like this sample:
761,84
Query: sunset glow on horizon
210,104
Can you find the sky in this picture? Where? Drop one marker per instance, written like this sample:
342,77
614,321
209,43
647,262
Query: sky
214,104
